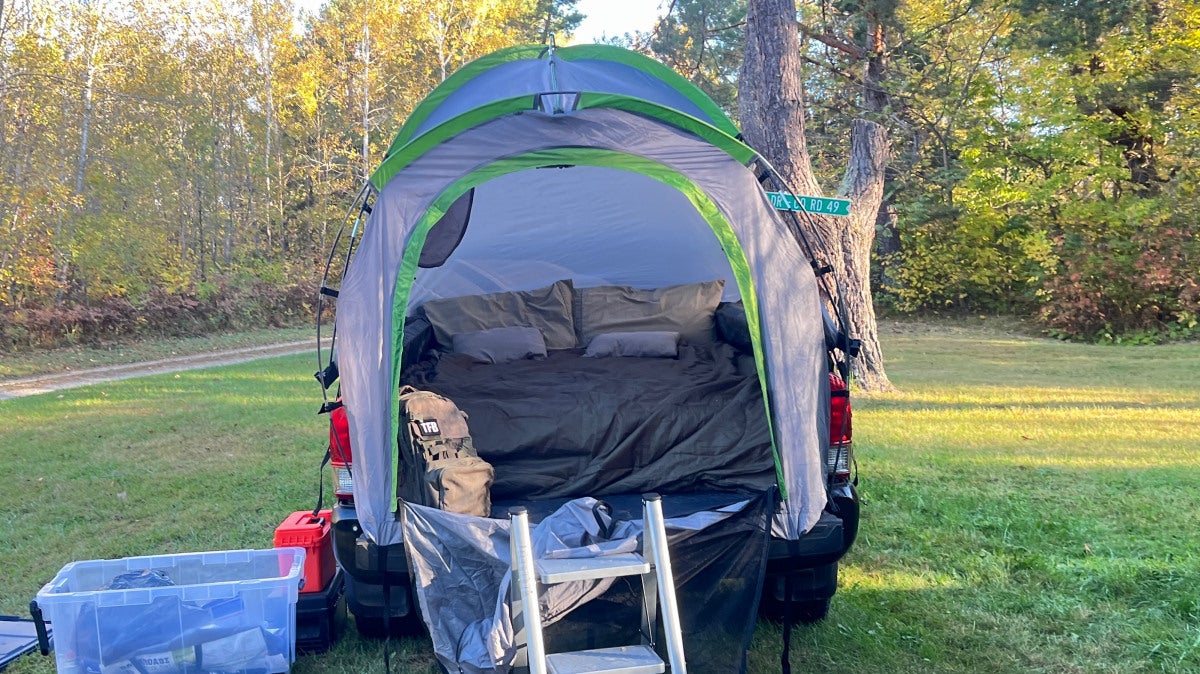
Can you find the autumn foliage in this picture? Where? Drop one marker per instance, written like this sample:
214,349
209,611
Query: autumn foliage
174,168
224,307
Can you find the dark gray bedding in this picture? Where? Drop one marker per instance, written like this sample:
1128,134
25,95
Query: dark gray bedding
568,426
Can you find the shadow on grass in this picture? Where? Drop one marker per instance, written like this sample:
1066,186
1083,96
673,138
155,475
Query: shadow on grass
1024,624
967,564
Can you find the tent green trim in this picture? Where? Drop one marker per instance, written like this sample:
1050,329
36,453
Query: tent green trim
404,156
574,53
452,83
588,157
605,52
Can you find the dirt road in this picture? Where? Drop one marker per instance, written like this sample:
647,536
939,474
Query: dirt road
28,386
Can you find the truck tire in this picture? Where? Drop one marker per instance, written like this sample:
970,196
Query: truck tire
373,627
810,611
803,611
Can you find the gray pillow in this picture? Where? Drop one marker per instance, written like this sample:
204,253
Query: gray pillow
548,309
685,309
501,345
634,344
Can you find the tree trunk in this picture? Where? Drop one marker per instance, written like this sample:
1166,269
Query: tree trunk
183,228
200,235
269,87
366,101
62,238
85,126
225,175
863,185
887,239
771,100
771,92
771,104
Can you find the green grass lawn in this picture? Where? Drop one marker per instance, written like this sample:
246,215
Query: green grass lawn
1030,505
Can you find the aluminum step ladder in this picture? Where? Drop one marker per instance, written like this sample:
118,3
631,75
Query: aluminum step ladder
658,586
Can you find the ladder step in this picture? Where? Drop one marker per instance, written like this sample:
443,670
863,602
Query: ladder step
551,571
619,660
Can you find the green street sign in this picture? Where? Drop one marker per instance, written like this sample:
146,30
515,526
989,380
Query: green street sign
820,205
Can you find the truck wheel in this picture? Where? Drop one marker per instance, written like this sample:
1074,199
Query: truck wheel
374,627
810,610
803,611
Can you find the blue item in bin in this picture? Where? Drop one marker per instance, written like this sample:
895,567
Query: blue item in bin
18,636
139,579
165,624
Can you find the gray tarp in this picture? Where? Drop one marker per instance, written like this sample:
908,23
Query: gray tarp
460,567
793,340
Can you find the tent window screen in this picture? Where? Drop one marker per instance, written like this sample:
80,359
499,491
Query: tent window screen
593,225
447,233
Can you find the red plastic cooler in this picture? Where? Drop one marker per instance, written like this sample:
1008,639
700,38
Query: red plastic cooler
303,530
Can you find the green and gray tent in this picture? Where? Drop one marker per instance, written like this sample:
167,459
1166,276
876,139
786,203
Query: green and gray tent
590,163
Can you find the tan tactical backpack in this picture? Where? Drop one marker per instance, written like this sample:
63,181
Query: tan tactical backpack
439,466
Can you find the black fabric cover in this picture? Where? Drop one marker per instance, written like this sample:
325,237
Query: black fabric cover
418,339
569,426
719,574
732,326
718,549
447,232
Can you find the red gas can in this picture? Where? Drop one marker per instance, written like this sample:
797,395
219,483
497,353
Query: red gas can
303,530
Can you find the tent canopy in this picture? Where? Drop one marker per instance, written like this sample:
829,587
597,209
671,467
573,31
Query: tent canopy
590,163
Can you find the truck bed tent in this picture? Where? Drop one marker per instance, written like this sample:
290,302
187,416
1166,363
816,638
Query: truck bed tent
589,163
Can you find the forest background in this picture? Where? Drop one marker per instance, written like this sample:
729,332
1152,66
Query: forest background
174,167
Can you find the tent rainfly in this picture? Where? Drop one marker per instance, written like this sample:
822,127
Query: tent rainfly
592,163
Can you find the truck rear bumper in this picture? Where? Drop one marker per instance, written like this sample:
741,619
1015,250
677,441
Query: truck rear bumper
811,561
367,567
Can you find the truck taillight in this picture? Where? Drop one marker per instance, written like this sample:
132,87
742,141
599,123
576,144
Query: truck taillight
839,411
841,451
340,455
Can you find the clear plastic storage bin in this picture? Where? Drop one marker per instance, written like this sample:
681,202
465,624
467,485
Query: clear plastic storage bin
190,613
